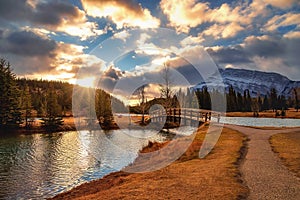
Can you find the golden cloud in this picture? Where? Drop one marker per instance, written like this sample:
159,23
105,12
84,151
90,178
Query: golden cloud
281,3
282,20
77,25
123,13
185,14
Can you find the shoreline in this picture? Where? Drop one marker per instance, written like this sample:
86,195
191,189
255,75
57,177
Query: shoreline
69,124
290,114
114,181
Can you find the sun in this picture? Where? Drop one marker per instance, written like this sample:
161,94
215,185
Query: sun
87,82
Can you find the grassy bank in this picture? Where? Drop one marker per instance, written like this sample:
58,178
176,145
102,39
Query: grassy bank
292,114
214,177
287,146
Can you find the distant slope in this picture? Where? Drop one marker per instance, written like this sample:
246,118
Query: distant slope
257,82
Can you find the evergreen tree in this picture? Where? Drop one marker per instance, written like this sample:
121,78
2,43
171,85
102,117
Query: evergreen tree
247,101
53,117
188,99
239,99
259,103
103,108
297,106
282,103
26,104
265,105
231,100
10,114
273,99
206,99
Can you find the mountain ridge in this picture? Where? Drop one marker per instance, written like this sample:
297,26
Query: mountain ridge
258,83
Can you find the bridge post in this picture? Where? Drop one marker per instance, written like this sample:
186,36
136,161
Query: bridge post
179,115
184,118
174,115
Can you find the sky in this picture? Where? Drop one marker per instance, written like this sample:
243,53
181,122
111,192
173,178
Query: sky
120,42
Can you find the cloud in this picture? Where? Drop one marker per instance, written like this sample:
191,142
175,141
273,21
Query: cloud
113,73
266,53
265,46
280,3
229,55
278,21
125,83
226,14
292,35
124,13
65,17
187,14
190,40
184,14
26,43
36,56
56,16
122,35
15,10
218,31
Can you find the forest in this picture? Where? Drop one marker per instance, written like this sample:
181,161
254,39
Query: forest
22,100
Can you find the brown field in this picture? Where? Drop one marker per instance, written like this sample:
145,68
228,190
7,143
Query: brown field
214,177
287,146
291,113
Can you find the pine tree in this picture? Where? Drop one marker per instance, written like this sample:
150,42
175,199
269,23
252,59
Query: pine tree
26,104
297,106
239,99
103,108
273,99
231,100
206,99
53,117
247,101
260,103
10,114
265,105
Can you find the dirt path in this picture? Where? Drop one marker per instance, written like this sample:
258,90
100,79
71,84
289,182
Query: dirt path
263,172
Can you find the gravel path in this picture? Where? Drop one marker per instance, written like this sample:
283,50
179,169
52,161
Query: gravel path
262,170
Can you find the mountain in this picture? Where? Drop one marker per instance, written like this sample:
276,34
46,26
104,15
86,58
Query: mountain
257,82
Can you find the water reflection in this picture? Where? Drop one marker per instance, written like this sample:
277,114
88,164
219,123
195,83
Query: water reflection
40,166
260,122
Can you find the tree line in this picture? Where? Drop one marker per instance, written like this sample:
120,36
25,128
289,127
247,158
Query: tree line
22,100
237,102
231,100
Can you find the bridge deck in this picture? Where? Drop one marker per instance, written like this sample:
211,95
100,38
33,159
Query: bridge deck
183,115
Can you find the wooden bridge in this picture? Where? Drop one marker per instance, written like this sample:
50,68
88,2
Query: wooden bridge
184,116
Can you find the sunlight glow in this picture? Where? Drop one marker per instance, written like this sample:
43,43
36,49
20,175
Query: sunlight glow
87,82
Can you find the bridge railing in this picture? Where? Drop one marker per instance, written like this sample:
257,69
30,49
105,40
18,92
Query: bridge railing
186,113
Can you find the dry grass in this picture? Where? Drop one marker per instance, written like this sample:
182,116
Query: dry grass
287,146
292,113
214,177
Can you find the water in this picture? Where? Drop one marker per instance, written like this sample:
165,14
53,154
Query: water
39,166
42,165
260,122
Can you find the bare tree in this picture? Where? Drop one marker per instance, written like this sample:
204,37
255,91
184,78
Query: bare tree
166,88
141,96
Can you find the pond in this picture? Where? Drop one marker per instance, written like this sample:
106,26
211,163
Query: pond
42,165
260,122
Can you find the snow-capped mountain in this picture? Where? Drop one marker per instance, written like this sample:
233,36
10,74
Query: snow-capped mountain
257,82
